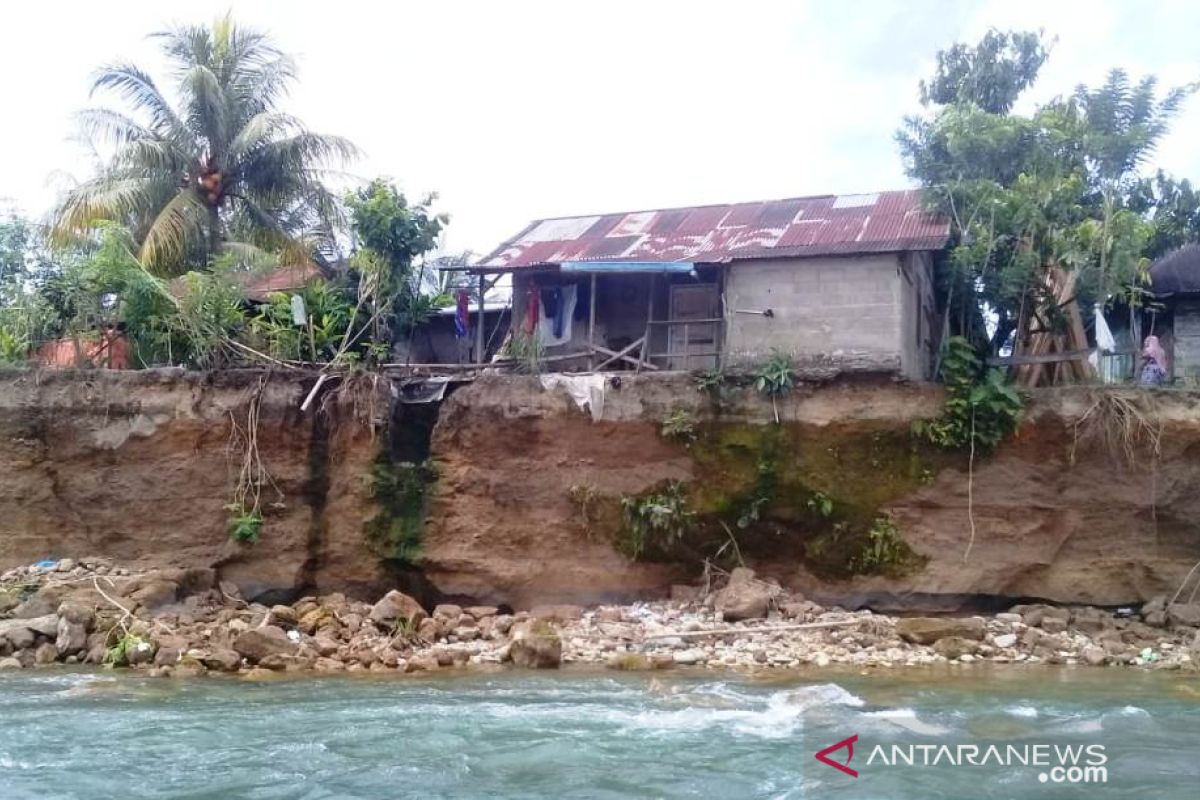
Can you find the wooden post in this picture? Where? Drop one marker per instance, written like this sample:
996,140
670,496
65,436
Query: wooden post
479,354
645,355
592,326
687,343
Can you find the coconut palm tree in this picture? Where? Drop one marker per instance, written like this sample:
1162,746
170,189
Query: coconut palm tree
220,169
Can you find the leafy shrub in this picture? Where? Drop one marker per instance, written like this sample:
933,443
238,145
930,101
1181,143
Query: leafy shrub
820,504
982,407
245,525
775,379
679,426
714,384
883,550
660,519
118,654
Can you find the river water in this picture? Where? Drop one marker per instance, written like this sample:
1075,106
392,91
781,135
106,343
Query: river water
593,735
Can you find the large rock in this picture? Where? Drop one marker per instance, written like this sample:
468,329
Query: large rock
71,638
397,608
10,663
536,645
927,630
16,633
1183,615
558,612
258,643
744,597
156,593
953,647
8,601
43,602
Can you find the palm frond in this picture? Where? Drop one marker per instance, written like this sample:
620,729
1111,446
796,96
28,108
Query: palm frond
138,89
178,225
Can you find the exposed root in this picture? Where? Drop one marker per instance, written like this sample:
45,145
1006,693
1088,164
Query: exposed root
1121,423
253,476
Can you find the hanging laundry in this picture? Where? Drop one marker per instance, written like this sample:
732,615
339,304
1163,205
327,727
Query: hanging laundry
462,315
531,312
555,329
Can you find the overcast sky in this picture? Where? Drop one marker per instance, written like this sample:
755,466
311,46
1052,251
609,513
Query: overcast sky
516,110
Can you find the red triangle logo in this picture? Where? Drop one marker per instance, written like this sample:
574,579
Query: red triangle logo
844,766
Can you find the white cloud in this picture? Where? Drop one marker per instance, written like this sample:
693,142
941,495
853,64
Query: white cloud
518,110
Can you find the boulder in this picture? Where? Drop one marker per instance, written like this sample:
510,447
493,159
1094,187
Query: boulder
45,653
46,626
141,653
166,656
44,602
424,662
1183,615
447,611
258,643
927,630
156,593
312,621
10,663
955,647
8,601
397,608
222,659
744,597
1094,656
78,614
536,645
1054,624
482,612
71,637
16,634
557,612
1005,640
282,616
328,665
1035,615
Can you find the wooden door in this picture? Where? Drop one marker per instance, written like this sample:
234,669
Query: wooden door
694,338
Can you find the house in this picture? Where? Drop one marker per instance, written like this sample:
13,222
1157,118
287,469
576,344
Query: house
844,280
1174,316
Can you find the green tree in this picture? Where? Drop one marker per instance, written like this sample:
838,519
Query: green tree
991,75
393,237
1174,208
185,178
1028,193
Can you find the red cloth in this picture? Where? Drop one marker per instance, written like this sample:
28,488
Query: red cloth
531,312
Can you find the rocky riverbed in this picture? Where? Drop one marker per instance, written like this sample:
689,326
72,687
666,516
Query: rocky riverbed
184,622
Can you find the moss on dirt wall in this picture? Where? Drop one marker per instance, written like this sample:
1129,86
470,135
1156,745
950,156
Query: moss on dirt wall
816,494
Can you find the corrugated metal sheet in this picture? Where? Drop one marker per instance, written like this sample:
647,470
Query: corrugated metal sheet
801,226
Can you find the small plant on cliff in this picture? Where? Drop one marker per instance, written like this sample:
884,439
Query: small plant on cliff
679,426
244,525
820,504
982,407
661,518
713,383
775,379
883,550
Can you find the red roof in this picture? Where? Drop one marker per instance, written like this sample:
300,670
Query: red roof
803,226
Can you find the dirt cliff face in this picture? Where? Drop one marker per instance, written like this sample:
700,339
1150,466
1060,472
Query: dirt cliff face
1056,513
521,501
139,466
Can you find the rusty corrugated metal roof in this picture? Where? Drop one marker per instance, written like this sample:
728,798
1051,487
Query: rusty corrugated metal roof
800,226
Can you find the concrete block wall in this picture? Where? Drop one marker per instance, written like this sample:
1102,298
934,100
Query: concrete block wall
849,307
